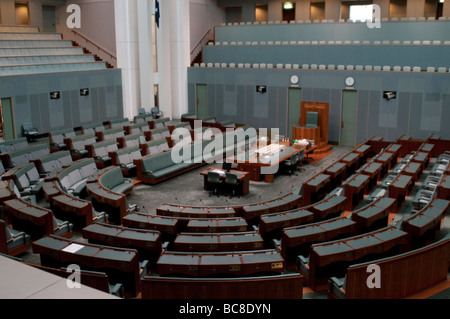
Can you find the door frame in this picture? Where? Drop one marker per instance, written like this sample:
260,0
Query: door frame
13,126
341,115
196,97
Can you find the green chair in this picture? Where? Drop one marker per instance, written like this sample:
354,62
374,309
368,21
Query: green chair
312,119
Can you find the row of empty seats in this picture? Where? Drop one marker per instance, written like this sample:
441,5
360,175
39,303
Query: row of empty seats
394,19
34,52
29,52
28,60
51,68
332,42
396,68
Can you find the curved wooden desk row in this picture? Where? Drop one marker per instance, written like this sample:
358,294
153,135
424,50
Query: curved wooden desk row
340,253
427,219
284,203
239,263
249,212
414,271
329,206
147,242
114,203
173,225
284,286
33,220
121,265
218,242
195,212
297,240
374,213
67,206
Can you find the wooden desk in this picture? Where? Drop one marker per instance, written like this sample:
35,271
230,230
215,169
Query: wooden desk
427,220
242,176
307,133
341,253
338,173
298,240
374,215
77,211
115,204
363,151
263,163
165,225
444,188
328,207
426,148
385,159
400,187
413,169
218,242
121,265
219,225
422,158
373,170
352,162
33,220
237,263
284,203
355,187
394,149
275,222
195,212
147,242
316,188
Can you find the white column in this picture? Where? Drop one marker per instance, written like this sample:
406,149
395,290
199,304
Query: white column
174,57
128,54
180,55
163,50
144,9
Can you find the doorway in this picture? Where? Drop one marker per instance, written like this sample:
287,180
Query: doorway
49,18
7,119
233,14
201,100
294,106
261,13
22,13
288,11
348,118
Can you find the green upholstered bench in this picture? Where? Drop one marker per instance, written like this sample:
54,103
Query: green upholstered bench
73,178
113,180
54,162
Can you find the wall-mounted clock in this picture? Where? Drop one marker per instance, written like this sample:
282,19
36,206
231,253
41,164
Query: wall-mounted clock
349,81
294,79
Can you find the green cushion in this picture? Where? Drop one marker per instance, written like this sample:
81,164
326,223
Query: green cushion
122,188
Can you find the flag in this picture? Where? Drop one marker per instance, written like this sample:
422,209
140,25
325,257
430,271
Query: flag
157,13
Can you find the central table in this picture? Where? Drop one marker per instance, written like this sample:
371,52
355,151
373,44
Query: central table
263,163
242,176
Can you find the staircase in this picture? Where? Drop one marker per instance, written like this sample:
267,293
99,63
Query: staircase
96,57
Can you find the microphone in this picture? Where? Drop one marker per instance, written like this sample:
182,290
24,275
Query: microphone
201,200
228,202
